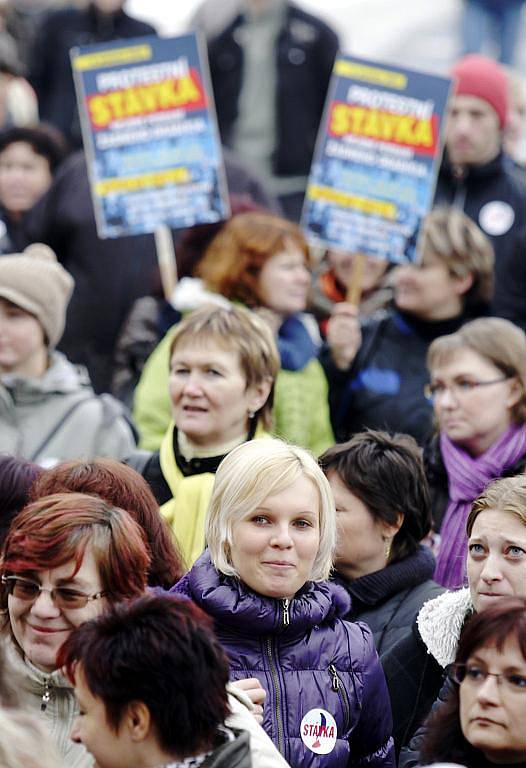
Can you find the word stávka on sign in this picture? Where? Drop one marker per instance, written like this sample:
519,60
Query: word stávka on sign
150,135
374,171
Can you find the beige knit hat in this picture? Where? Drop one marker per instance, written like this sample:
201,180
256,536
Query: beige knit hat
36,282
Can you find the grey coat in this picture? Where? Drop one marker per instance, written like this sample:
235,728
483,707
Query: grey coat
59,417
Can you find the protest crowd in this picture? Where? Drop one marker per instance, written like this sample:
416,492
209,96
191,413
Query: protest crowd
262,502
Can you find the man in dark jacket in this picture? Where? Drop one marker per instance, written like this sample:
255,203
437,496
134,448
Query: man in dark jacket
270,70
50,69
478,177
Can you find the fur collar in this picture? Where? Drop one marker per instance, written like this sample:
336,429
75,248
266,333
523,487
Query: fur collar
440,621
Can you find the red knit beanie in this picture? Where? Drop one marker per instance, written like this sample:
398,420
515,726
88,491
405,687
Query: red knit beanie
482,77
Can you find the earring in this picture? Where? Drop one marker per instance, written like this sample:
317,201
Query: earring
387,548
251,414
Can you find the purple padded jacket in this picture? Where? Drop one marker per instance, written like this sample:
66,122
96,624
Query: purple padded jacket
325,687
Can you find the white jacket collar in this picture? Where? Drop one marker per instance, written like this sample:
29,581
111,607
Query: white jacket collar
440,621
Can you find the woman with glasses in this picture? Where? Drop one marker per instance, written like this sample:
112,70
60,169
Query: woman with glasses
66,558
478,390
481,722
415,667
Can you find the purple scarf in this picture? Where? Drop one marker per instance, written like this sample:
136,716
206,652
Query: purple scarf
467,478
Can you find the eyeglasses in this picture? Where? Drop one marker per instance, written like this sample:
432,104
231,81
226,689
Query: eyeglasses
458,388
63,597
474,675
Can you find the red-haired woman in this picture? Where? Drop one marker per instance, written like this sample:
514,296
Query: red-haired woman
122,487
65,559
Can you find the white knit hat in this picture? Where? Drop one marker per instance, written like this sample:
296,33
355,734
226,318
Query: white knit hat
36,282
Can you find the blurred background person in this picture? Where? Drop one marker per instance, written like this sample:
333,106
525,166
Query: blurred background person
29,157
481,723
16,478
48,410
261,261
383,511
331,280
478,389
377,369
477,176
50,71
488,24
270,69
515,130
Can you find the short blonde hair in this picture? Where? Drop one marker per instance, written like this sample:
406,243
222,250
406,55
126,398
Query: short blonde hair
463,248
497,340
507,494
25,742
241,331
246,477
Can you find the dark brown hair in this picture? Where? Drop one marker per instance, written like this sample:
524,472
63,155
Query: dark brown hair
386,473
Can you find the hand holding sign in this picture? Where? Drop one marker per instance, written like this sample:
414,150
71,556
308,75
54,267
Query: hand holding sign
344,335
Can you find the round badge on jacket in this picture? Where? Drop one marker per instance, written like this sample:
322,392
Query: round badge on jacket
319,731
497,217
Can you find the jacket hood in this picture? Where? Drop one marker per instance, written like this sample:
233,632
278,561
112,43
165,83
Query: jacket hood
229,601
440,622
61,377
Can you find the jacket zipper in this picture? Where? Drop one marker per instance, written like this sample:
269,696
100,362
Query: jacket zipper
277,691
286,614
339,688
46,696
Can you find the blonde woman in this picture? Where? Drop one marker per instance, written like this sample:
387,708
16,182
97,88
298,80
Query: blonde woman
271,531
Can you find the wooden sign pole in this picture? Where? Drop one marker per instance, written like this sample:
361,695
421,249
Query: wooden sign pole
164,246
354,289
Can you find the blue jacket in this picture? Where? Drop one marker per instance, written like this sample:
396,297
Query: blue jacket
308,659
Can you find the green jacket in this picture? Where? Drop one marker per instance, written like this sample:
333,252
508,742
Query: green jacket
301,410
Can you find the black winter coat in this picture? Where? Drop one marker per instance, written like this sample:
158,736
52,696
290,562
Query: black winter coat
384,387
50,69
414,679
494,197
389,600
305,51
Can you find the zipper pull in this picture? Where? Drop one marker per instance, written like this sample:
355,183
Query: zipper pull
286,614
46,696
335,679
